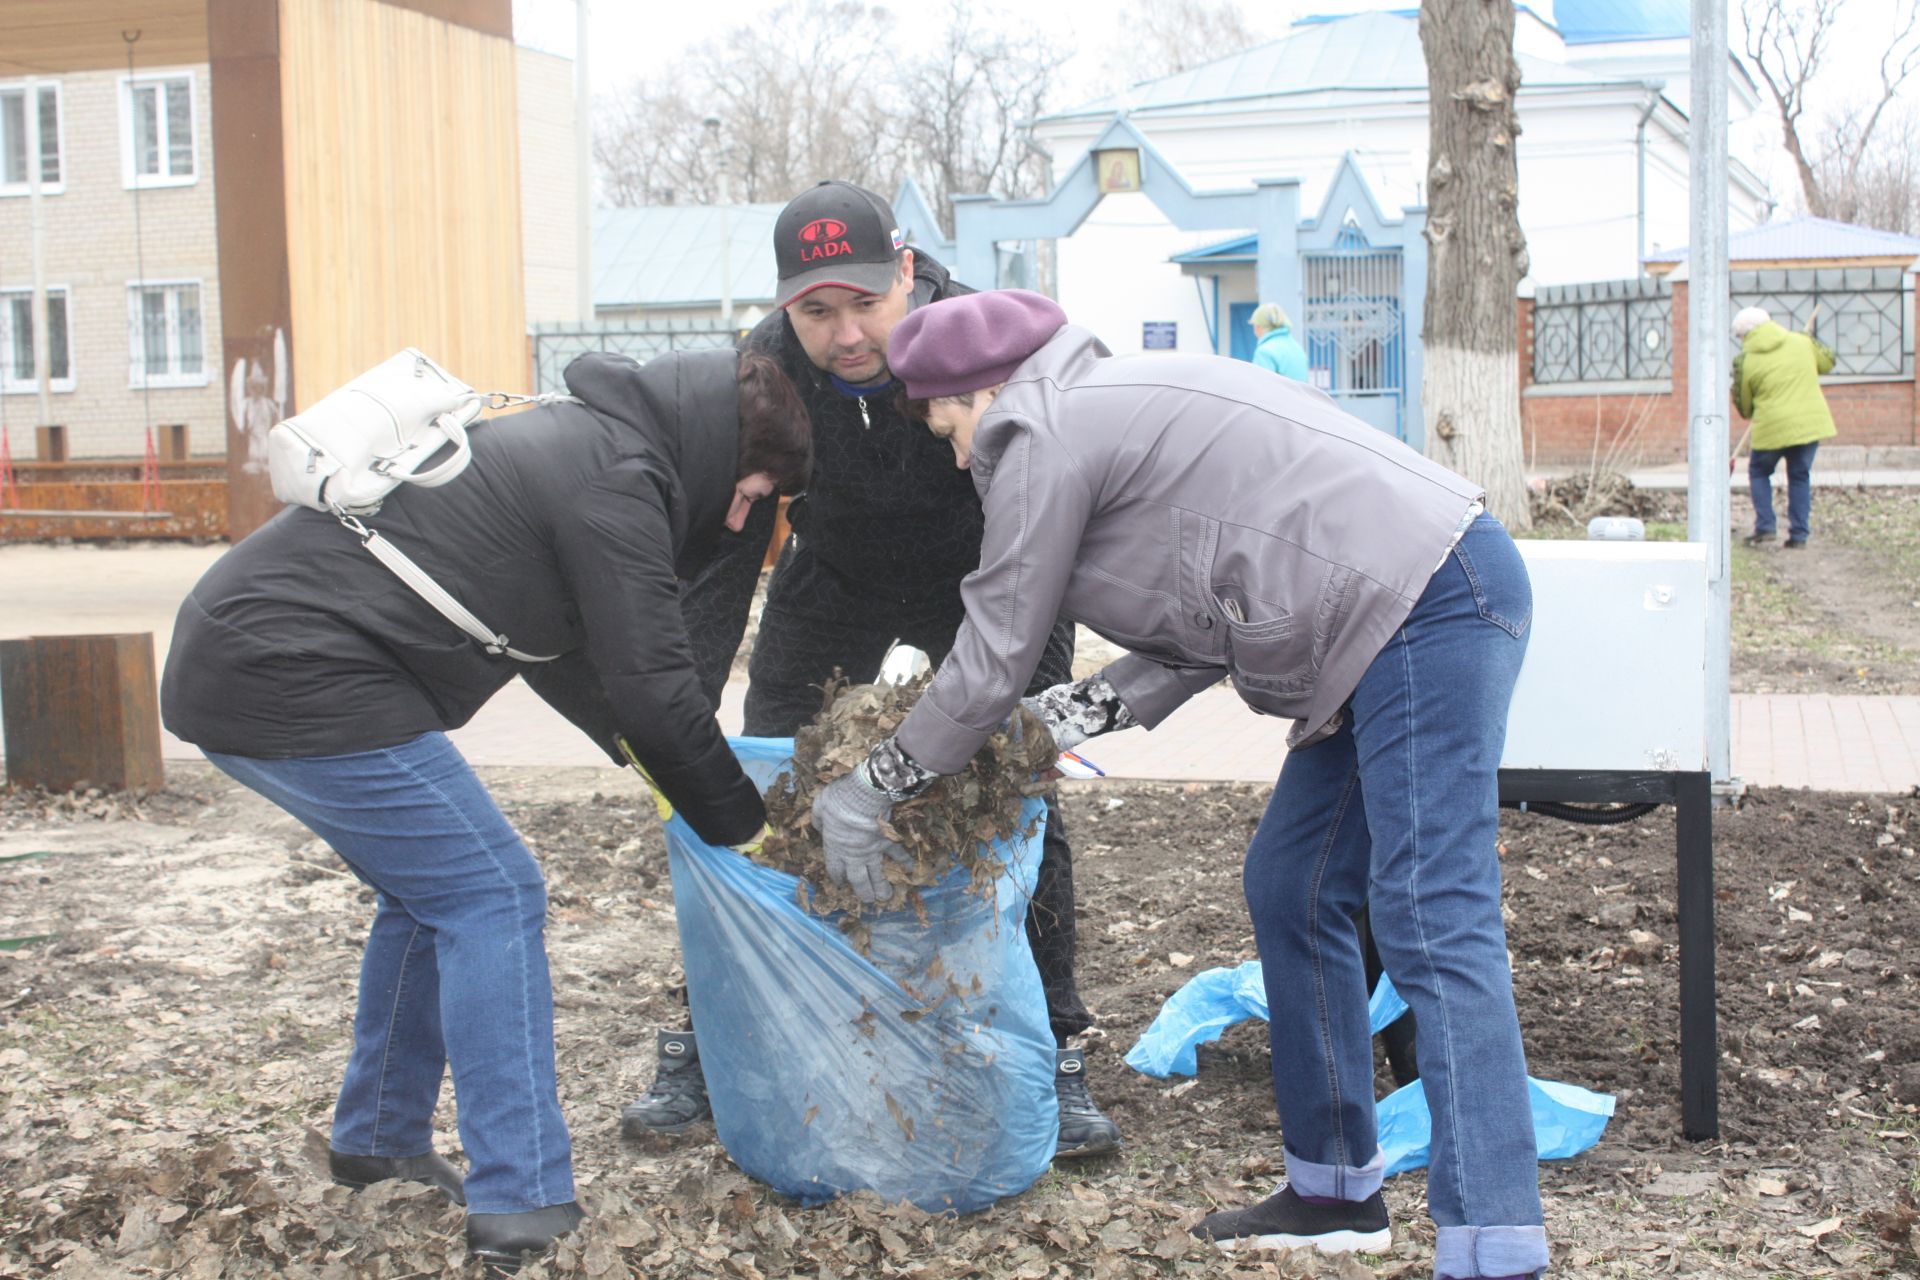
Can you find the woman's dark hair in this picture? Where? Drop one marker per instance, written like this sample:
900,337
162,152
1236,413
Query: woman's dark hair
775,434
915,408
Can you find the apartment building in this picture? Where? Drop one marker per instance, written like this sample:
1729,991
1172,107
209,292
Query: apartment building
125,235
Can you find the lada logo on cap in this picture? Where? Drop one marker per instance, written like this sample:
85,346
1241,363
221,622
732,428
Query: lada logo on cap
823,229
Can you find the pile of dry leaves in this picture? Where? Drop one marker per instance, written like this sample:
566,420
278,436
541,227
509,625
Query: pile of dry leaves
954,820
1576,499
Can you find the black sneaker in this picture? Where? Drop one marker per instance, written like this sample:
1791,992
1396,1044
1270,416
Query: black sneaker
1758,539
1796,544
677,1098
1285,1221
1084,1131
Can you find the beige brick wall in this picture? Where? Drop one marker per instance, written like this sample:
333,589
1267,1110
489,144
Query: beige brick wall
88,245
549,224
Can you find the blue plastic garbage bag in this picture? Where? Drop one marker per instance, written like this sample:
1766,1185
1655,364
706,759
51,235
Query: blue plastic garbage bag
922,1071
1215,999
1566,1121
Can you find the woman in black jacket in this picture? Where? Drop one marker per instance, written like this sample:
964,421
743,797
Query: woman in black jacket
305,669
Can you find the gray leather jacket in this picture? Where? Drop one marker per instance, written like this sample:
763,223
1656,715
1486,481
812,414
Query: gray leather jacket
1202,513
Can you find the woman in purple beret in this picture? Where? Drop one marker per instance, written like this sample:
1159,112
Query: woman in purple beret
1217,521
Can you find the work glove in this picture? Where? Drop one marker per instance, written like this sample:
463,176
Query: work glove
1065,736
1078,710
848,814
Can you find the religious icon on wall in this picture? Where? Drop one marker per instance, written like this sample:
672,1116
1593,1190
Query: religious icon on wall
1117,170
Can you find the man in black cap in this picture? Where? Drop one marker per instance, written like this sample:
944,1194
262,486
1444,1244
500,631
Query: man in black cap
882,536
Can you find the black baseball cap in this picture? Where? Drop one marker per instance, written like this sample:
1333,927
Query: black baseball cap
836,234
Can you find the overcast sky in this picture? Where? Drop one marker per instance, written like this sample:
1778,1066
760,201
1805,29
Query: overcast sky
642,38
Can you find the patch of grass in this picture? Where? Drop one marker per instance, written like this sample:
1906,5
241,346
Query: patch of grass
1885,522
1770,616
1657,531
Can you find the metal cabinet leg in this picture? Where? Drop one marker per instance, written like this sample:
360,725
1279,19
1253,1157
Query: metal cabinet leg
1699,1035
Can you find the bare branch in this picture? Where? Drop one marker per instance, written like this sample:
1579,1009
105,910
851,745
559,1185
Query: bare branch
1168,36
1787,42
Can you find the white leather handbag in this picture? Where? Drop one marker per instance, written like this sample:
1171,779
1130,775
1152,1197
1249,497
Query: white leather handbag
360,443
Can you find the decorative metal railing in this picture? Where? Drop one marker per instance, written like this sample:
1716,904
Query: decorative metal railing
1621,330
555,346
1610,331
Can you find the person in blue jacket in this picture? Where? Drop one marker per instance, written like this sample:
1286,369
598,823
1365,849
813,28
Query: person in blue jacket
1275,348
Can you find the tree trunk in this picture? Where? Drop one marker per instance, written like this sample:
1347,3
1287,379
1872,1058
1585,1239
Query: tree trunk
1477,253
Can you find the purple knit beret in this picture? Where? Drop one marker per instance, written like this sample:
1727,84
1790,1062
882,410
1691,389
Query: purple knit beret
963,344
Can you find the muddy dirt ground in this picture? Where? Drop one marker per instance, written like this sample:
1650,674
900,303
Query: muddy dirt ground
167,1061
170,1044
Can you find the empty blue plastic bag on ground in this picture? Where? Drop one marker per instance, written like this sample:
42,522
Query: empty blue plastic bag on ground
1566,1119
1215,999
922,1071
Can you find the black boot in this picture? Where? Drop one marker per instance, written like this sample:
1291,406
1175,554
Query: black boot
1084,1131
677,1098
431,1169
500,1240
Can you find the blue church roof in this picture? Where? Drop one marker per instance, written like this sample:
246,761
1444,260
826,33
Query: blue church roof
1239,249
1374,51
1808,239
1603,21
1589,21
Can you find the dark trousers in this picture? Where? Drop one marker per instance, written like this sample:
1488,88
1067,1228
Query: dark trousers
814,622
1761,464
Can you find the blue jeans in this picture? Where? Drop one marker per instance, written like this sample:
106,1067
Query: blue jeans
455,970
1399,810
1760,468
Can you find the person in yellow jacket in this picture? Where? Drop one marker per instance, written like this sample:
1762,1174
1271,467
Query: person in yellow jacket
1776,384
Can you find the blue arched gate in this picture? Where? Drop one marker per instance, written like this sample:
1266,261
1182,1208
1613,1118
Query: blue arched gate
1355,327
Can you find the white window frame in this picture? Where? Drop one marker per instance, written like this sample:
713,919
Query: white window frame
137,376
10,385
130,176
30,89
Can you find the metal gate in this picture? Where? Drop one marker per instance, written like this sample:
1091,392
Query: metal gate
555,346
1355,331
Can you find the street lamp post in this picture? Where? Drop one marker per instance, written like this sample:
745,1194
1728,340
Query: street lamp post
712,124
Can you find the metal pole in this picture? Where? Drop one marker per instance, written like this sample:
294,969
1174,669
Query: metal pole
726,252
583,163
37,301
716,139
1709,357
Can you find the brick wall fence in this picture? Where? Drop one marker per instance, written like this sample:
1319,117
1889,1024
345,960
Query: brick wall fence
1645,423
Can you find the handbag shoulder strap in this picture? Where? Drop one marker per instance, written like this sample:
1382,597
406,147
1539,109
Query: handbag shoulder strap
433,593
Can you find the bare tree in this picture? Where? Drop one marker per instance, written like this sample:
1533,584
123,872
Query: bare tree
1162,37
801,94
820,88
1788,41
1477,252
650,148
1876,184
965,110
